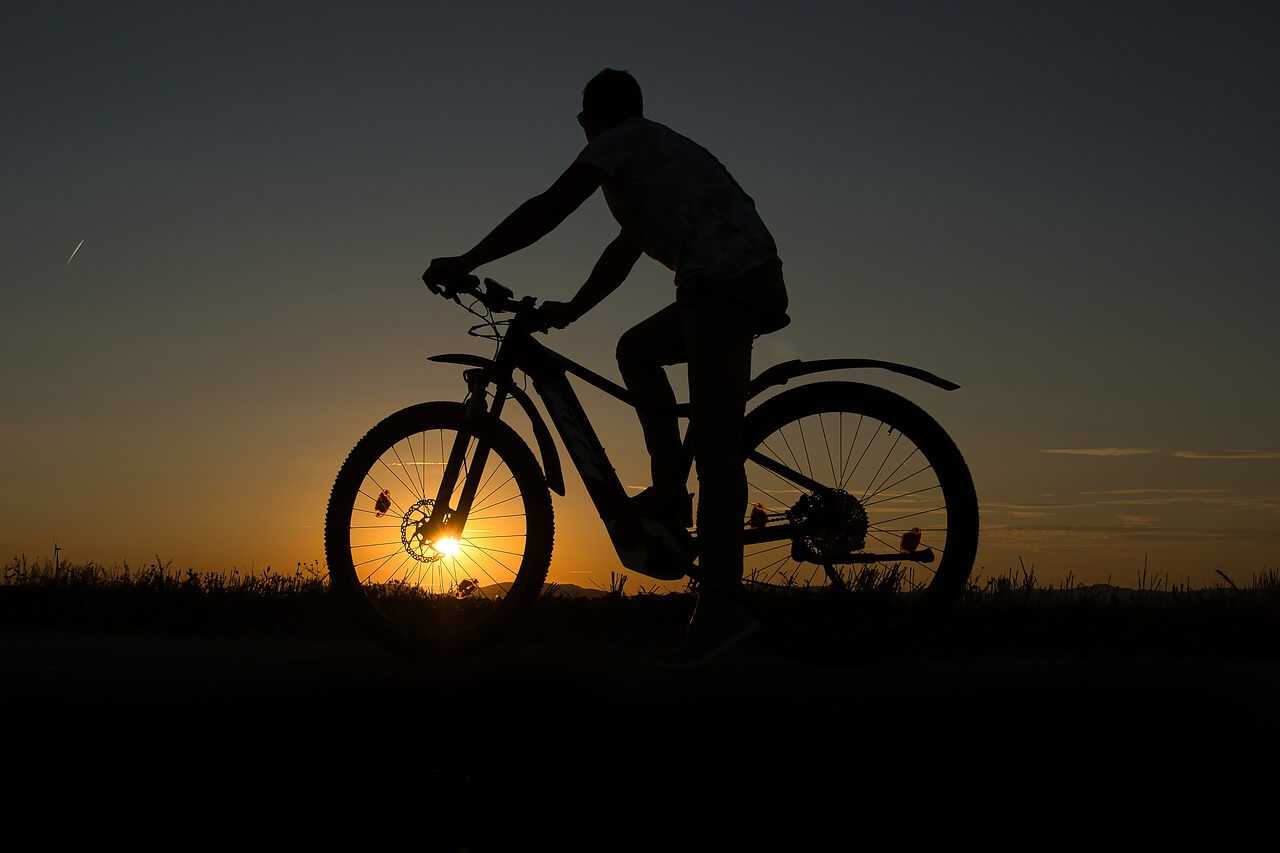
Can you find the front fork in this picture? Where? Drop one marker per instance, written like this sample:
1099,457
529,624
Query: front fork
446,518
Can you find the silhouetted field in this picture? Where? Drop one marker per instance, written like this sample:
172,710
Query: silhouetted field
1011,613
1018,678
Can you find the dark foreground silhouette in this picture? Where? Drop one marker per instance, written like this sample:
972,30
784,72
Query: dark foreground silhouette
833,683
444,496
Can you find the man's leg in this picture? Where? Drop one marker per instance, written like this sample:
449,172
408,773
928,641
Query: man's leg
719,336
642,352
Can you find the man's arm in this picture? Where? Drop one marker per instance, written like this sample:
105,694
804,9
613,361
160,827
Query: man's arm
611,270
526,225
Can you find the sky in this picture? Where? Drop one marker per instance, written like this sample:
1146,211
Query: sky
1069,209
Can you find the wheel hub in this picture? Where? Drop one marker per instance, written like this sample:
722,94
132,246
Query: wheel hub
834,523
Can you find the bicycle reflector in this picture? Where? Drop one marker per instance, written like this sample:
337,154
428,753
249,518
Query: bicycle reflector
382,504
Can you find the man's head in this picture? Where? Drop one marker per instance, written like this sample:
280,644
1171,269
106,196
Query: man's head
609,98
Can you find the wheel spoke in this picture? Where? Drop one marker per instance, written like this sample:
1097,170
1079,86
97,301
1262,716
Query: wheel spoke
482,569
774,497
904,479
796,462
911,515
384,464
413,490
495,490
378,568
468,541
379,557
852,446
903,495
492,474
805,445
883,462
870,442
828,446
499,503
767,550
890,475
378,544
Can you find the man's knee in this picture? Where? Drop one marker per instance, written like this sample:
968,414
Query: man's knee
631,352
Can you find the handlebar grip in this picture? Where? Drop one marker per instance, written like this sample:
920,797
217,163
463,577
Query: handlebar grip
462,284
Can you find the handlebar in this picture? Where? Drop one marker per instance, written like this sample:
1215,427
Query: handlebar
495,296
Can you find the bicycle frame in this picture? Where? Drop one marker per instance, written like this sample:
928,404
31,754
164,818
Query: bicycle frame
642,545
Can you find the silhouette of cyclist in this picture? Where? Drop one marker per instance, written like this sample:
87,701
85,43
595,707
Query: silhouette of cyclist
676,203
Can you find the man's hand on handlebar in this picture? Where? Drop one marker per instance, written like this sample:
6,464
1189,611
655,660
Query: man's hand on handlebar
449,277
443,273
556,315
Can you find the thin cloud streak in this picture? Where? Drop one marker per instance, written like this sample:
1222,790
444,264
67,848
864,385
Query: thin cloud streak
1158,492
1228,455
1100,451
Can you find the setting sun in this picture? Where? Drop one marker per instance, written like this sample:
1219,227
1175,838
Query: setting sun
447,546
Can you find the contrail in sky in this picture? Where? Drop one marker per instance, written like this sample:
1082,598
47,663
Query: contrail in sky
76,249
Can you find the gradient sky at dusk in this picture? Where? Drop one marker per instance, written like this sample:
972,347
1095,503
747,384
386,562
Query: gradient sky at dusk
1071,211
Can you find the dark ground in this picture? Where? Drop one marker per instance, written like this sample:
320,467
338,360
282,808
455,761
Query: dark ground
1016,693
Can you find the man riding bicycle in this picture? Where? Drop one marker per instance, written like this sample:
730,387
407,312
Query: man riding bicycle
676,203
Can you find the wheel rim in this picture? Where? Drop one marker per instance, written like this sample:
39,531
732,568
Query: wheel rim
888,477
392,550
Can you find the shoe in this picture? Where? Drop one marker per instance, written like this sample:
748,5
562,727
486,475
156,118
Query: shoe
718,624
673,508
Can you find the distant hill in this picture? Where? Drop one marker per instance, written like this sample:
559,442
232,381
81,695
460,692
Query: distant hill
558,590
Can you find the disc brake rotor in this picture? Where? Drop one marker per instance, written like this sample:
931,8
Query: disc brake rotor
415,533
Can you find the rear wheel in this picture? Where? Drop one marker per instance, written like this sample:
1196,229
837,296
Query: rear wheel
415,593
894,488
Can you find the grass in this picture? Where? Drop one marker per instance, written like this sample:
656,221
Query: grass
1009,613
156,598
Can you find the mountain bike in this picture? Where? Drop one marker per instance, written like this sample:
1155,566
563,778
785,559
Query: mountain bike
440,525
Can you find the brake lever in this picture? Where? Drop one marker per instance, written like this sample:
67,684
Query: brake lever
496,290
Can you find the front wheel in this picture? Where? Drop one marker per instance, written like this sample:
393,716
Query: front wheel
420,594
871,485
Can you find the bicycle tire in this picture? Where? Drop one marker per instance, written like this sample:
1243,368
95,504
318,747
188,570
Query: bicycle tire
444,627
950,578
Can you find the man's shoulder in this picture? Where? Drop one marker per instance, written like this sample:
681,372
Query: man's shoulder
640,127
658,129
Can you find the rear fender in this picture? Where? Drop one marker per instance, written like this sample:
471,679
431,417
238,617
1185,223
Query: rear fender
781,374
546,445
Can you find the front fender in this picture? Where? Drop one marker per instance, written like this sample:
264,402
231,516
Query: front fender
546,446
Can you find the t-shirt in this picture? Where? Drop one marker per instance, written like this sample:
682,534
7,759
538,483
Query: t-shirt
679,202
